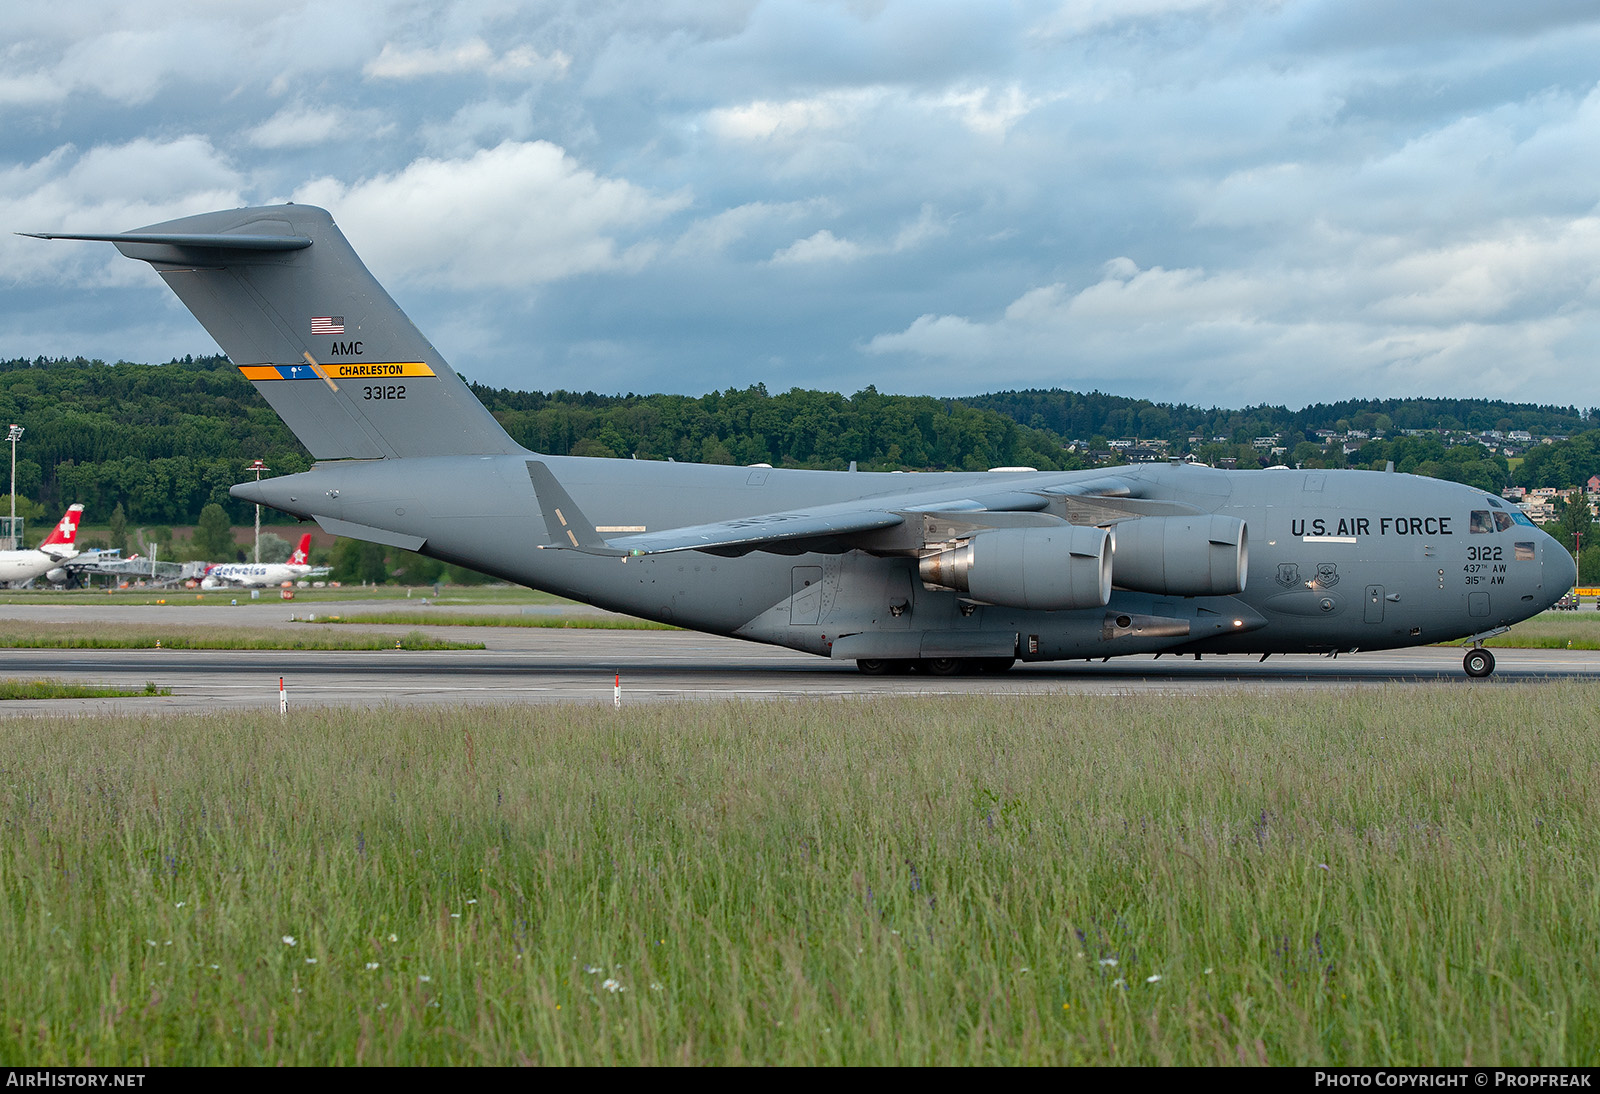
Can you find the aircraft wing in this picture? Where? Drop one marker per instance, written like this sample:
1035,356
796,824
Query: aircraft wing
834,527
769,531
90,558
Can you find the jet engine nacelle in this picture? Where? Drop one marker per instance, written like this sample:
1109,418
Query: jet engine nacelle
1202,555
57,576
1048,569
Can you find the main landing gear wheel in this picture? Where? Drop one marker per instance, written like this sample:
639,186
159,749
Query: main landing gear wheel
1479,662
883,666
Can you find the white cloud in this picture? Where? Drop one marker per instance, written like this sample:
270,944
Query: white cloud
821,246
764,120
712,235
129,53
1487,317
302,126
110,188
480,124
1077,17
824,246
472,55
991,112
516,215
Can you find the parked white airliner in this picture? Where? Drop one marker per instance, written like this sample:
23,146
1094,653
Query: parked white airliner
21,567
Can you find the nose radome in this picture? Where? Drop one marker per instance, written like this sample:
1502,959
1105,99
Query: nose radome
1560,571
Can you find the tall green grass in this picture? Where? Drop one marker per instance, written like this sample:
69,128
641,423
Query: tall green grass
1396,876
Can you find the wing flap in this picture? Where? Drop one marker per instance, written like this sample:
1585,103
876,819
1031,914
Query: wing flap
766,532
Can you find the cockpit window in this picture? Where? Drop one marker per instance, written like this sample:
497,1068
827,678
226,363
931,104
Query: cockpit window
1481,522
1502,522
1494,502
1521,518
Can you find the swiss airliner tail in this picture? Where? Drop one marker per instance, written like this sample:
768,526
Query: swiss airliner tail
65,533
302,553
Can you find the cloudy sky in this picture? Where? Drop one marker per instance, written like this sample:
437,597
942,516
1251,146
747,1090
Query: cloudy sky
1222,202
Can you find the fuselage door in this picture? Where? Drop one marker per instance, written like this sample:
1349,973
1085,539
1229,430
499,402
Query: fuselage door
1374,604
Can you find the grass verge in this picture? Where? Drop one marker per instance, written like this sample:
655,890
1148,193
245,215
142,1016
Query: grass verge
455,619
56,689
1551,631
139,636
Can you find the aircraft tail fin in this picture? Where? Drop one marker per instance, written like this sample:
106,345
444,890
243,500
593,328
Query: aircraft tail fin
302,553
291,304
63,538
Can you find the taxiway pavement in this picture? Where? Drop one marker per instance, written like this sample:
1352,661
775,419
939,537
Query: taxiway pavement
521,665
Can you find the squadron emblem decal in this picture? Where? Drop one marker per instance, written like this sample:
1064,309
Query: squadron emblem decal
1288,574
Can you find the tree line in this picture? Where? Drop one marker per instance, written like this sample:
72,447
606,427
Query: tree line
1076,414
163,442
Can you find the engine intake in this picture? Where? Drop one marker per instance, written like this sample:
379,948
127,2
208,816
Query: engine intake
1047,569
1202,555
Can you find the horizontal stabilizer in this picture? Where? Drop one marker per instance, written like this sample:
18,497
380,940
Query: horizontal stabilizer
207,240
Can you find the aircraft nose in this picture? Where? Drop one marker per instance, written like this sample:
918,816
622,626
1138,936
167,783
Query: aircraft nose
1560,571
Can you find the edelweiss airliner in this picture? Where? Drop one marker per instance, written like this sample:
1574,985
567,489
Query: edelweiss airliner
251,575
940,573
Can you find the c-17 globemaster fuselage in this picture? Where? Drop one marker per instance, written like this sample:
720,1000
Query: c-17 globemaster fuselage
947,572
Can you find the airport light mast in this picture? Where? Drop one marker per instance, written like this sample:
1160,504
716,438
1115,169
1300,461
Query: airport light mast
14,436
257,467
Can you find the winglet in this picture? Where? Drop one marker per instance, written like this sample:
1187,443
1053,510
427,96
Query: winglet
563,517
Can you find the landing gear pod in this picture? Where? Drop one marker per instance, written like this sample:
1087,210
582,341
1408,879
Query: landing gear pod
1049,569
1202,555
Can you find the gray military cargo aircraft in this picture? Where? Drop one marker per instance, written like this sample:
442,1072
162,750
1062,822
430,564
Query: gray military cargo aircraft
943,573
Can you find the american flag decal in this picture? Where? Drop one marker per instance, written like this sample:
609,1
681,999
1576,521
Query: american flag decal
327,324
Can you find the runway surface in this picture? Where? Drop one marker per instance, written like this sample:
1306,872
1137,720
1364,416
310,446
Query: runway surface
523,665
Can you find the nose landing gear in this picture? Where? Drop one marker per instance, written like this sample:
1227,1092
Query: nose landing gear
1479,662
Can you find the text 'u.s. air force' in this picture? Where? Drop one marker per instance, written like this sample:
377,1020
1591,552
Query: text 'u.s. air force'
1363,526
